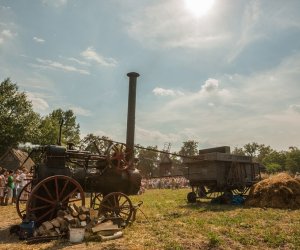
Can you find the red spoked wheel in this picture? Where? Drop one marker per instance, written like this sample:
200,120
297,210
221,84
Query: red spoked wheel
23,198
52,194
117,156
116,205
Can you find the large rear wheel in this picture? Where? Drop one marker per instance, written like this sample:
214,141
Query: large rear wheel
52,194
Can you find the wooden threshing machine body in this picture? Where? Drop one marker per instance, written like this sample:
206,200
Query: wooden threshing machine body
215,171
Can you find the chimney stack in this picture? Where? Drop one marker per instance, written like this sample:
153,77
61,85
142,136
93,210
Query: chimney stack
131,116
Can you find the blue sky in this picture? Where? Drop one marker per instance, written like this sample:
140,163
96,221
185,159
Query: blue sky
228,76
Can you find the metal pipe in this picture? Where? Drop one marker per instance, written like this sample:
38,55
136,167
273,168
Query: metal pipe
154,150
131,116
60,131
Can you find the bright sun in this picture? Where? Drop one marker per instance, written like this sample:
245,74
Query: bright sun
199,7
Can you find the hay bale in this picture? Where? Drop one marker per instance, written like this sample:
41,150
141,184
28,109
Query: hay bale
278,191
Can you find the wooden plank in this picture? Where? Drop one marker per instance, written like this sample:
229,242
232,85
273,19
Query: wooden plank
47,225
108,225
55,222
223,149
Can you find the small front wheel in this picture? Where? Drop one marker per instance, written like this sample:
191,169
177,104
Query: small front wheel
191,197
116,205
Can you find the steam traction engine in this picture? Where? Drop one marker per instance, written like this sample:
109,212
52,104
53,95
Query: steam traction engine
64,176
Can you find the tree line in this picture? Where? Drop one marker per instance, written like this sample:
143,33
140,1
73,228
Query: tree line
273,160
21,124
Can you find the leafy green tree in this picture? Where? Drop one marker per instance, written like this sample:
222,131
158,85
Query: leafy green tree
89,141
18,120
147,161
273,168
293,160
238,151
263,151
275,157
257,151
50,125
251,149
189,148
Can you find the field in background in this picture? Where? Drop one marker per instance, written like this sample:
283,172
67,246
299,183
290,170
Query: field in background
170,223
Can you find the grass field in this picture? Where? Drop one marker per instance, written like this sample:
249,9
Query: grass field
170,223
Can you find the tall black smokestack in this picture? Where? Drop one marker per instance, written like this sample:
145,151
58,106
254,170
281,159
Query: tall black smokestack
131,116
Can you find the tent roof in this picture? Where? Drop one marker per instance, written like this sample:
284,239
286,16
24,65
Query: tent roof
14,158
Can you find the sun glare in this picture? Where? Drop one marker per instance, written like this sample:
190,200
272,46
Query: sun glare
199,7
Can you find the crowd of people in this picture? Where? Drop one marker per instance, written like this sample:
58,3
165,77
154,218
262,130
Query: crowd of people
164,183
11,184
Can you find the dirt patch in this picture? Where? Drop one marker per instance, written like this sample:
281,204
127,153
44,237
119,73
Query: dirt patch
278,191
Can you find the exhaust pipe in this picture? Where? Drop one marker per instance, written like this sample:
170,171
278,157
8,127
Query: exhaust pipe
131,117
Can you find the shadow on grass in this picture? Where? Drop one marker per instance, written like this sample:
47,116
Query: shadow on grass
8,237
205,205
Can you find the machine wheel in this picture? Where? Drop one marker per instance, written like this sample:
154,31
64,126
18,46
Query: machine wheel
117,156
96,200
116,205
22,199
191,197
52,194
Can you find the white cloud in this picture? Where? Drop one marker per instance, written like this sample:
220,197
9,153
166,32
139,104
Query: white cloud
166,92
249,31
210,85
39,104
152,136
48,64
77,61
92,55
81,111
190,105
295,108
6,35
235,109
5,8
55,3
38,40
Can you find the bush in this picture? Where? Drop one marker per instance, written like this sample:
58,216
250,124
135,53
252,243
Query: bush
273,168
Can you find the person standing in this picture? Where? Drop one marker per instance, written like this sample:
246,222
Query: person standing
10,187
2,186
21,178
